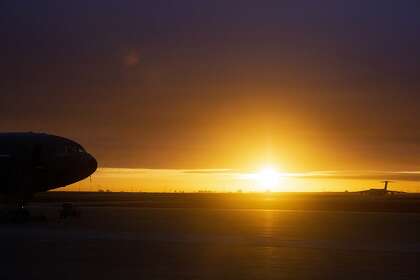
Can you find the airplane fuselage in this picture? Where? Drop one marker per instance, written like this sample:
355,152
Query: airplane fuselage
37,162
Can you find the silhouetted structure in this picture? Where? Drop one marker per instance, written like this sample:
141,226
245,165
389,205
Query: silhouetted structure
38,162
378,192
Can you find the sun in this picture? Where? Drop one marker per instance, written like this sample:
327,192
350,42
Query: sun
268,178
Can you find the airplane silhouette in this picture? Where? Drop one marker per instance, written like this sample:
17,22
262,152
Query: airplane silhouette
38,162
379,192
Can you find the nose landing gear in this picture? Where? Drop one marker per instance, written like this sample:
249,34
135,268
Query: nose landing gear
19,214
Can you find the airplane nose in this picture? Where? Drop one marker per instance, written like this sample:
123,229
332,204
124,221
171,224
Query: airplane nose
92,164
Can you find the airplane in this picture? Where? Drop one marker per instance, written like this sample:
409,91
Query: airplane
38,162
383,191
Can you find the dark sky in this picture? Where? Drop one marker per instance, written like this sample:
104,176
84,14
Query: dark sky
312,85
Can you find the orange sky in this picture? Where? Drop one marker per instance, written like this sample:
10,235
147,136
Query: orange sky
165,180
168,86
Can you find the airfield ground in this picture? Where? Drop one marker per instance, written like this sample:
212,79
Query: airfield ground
215,236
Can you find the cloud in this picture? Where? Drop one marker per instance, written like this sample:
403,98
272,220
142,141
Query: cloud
364,175
210,171
329,174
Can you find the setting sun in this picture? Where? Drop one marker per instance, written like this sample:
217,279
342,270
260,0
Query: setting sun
268,178
265,179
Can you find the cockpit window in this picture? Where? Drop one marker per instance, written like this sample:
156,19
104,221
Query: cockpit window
80,149
71,149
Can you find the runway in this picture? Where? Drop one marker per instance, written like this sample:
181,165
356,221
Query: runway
110,242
